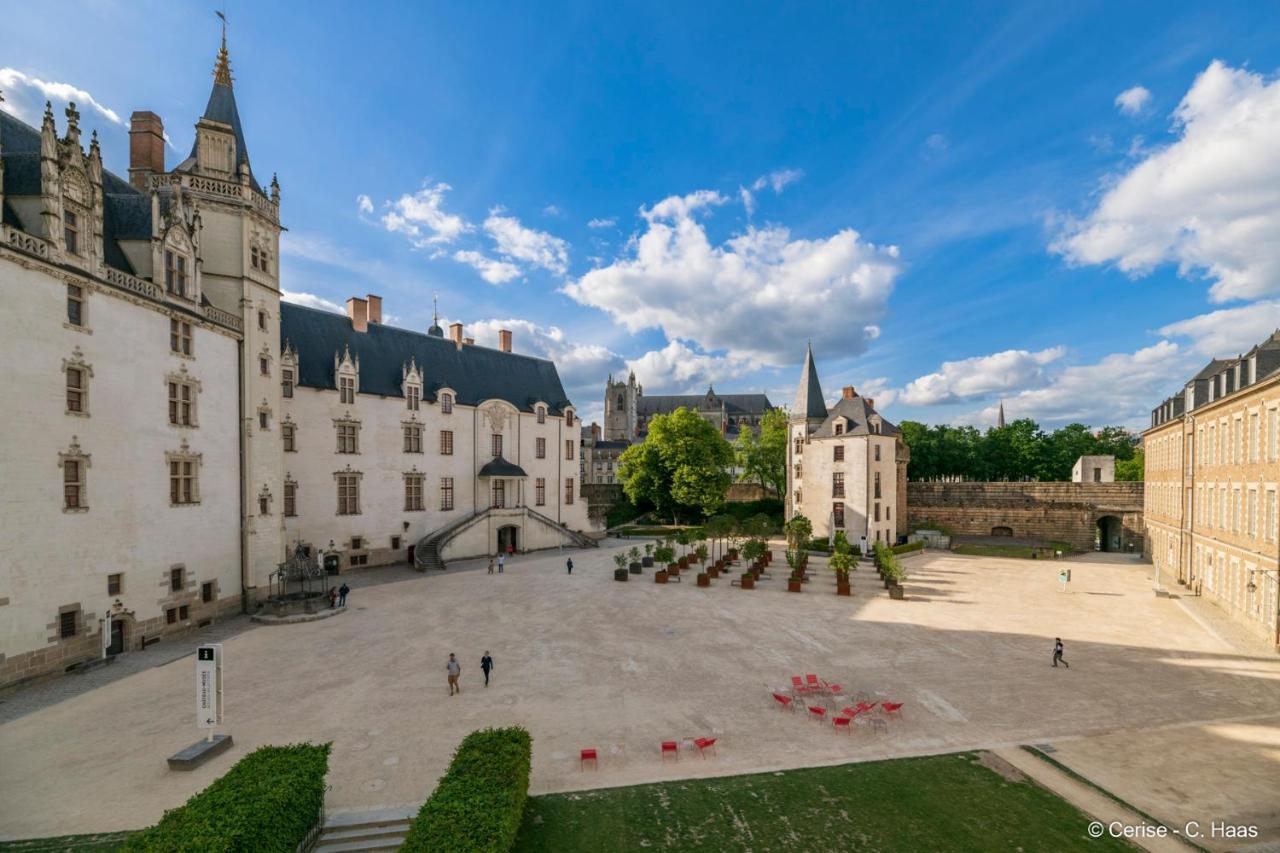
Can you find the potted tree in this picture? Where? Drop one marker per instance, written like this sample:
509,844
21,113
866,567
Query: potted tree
796,581
647,559
660,576
620,560
748,580
841,562
634,554
664,556
682,539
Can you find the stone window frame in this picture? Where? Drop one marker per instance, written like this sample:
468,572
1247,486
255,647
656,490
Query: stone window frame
290,496
349,479
74,218
540,491
447,398
264,500
209,592
77,622
289,435
568,491
265,361
540,448
541,412
184,456
264,416
288,371
837,453
446,442
182,337
77,294
413,431
181,378
177,578
568,449
181,269
76,364
495,444
415,486
411,385
568,416
83,462
346,376
446,494
837,484
119,583
837,515
345,428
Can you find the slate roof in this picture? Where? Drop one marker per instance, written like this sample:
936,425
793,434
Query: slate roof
734,404
222,108
474,373
500,467
809,403
858,413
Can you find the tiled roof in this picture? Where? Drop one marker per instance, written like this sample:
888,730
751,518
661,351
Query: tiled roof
501,468
858,414
809,404
734,404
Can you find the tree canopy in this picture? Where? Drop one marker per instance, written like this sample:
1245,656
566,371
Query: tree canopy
1018,451
763,457
681,468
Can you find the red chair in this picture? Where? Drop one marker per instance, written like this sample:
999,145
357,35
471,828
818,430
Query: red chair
863,707
812,682
834,688
797,685
785,701
585,756
842,723
671,747
891,709
817,712
705,743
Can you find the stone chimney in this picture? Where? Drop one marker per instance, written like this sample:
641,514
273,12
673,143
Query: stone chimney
358,311
595,431
504,340
375,309
146,148
469,341
871,403
455,334
848,393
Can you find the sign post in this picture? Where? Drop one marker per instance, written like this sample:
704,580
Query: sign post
106,634
209,687
1064,578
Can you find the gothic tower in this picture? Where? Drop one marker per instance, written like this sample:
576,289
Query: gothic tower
621,404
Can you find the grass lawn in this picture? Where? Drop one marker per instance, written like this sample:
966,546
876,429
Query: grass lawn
101,842
1023,551
939,803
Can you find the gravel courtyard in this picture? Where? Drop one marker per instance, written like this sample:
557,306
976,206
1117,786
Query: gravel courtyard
1159,707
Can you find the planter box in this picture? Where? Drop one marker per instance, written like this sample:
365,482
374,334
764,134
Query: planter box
714,572
704,579
635,568
844,589
748,581
659,576
795,585
620,574
647,562
684,562
895,591
673,568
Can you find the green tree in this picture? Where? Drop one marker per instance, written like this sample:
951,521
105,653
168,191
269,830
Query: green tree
799,529
1133,468
682,468
763,457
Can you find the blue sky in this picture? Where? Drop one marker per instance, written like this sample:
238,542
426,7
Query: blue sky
1065,208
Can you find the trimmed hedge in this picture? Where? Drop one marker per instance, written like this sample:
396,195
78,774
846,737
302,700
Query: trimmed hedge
908,547
267,801
479,803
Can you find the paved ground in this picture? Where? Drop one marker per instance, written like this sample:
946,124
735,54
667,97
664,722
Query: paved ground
1169,715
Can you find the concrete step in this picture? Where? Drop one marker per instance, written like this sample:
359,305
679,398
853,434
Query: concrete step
362,846
366,832
339,821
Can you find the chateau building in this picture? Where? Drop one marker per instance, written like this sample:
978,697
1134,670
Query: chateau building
846,465
1212,475
174,429
600,457
627,411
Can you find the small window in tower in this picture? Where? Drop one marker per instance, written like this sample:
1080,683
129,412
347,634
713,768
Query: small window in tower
71,231
262,320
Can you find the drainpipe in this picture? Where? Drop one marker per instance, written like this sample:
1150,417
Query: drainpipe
244,485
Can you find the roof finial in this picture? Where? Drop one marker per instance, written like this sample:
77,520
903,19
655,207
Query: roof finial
222,69
435,308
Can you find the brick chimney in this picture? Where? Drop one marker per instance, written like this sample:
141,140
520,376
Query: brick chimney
146,148
504,340
375,309
469,341
358,311
595,431
871,403
848,393
455,334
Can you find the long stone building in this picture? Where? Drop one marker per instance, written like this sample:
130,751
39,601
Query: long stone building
173,429
1212,473
627,410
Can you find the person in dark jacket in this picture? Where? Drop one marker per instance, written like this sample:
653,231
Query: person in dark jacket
333,596
1057,653
342,594
486,664
568,564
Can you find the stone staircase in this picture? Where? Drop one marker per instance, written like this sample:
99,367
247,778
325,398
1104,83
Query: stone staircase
365,831
426,554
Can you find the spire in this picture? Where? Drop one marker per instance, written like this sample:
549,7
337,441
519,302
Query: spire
222,68
809,402
1000,416
222,109
435,331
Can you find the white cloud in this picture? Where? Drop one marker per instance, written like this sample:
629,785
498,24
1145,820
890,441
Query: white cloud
1229,331
582,366
490,269
516,242
11,80
551,210
1209,202
937,143
1121,389
1133,100
678,369
757,296
980,376
748,200
778,180
310,300
422,218
603,223
364,204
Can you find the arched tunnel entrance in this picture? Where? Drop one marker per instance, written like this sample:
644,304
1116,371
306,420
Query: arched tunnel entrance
1109,535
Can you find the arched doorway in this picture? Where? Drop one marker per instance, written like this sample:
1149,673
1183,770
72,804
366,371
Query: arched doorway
1109,535
1002,531
508,539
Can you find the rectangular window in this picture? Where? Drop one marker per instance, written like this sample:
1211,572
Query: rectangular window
838,453
799,446
180,395
171,615
568,448
286,382
262,320
67,624
876,486
73,484
446,404
568,419
183,613
357,542
837,484
413,395
837,514
175,274
180,336
413,438
75,305
1253,437
75,390
877,452
71,231
264,504
542,415
253,257
348,494
290,499
1270,529
348,438
115,584
264,420
540,491
540,448
206,592
446,442
287,432
499,499
496,444
413,492
446,493
175,579
877,512
839,428
182,482
264,366
346,390
395,543
1251,512
568,491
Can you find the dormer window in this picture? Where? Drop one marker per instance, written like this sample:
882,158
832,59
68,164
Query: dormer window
542,414
412,397
71,231
839,427
446,404
175,274
568,417
347,390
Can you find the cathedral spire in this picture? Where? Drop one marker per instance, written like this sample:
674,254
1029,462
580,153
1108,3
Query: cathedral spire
1000,416
222,68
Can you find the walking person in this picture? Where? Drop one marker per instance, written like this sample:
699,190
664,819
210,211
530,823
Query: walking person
454,669
333,596
502,560
342,594
568,564
486,664
1057,653
490,564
